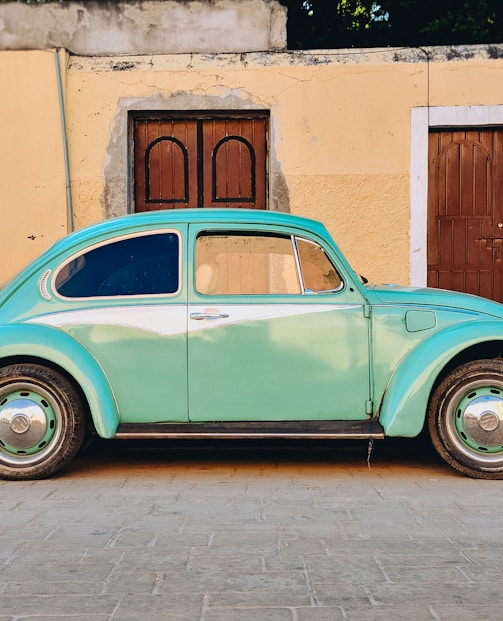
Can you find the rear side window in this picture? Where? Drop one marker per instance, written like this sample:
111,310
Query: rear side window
142,265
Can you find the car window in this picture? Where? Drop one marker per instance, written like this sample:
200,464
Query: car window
231,263
318,272
237,263
141,265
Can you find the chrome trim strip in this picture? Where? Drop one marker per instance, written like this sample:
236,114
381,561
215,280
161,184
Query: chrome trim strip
286,429
205,435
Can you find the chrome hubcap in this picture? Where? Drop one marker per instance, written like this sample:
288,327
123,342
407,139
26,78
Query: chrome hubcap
475,422
29,423
482,420
23,423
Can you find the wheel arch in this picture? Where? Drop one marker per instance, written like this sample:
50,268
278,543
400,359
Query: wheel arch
51,347
404,405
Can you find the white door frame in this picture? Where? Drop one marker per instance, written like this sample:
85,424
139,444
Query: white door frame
422,119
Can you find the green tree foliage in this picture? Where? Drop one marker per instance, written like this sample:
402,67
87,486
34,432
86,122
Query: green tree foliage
365,23
328,23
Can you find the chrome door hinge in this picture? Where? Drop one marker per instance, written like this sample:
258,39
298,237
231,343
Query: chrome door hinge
367,310
369,407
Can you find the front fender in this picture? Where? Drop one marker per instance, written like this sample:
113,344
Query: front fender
403,408
49,343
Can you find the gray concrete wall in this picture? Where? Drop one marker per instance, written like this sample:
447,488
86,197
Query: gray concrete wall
145,27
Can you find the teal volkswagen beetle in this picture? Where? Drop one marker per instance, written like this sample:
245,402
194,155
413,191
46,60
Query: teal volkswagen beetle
237,324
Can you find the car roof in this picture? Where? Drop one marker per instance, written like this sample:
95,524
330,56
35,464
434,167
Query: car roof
165,218
207,215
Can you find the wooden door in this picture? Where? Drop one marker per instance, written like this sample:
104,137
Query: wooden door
200,162
465,215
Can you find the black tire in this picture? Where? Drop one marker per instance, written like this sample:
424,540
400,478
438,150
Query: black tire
42,421
465,419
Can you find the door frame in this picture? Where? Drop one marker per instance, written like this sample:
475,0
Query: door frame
422,120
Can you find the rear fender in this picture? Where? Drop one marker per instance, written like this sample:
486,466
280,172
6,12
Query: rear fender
52,345
405,401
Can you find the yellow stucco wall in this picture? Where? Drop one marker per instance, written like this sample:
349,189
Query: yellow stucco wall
340,139
32,179
338,136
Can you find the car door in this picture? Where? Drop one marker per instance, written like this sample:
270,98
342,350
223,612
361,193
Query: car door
275,329
125,300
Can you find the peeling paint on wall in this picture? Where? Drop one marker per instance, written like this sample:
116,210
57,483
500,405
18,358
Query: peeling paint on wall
117,195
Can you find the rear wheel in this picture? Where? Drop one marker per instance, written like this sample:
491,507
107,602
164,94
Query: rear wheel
465,419
42,421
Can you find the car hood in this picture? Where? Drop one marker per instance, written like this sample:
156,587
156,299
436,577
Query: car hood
438,298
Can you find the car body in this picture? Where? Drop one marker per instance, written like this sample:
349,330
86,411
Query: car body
228,323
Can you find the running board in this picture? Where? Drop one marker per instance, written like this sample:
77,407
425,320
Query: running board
295,430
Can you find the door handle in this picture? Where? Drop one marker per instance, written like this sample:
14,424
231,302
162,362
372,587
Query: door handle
200,316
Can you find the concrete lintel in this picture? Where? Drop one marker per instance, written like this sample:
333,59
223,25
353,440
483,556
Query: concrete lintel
145,26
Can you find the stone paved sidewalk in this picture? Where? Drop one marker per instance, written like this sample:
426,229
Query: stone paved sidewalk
232,533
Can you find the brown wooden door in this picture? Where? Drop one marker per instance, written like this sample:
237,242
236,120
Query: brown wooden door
465,215
200,162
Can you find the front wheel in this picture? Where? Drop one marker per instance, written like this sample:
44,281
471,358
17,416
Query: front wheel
465,419
42,421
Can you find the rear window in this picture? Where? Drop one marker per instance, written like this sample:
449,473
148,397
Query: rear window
142,265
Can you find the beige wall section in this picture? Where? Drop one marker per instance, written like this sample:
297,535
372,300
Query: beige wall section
467,83
32,182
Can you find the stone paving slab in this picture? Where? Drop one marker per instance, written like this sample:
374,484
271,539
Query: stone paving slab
265,533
